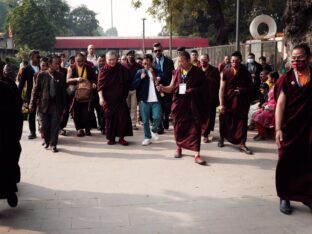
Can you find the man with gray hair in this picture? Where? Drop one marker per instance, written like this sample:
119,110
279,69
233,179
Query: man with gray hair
91,57
113,87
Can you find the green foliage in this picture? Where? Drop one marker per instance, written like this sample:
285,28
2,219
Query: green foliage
111,32
31,27
83,21
3,14
58,12
214,19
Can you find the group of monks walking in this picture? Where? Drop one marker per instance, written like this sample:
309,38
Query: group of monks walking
188,90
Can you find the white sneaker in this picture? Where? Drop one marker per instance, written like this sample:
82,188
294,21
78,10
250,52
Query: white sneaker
155,136
146,142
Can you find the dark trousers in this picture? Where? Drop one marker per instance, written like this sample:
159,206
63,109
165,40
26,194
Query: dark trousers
99,112
32,121
50,124
166,103
66,114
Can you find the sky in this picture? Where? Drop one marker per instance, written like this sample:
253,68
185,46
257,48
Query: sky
126,19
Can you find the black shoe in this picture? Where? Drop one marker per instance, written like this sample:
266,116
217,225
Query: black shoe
54,149
63,132
245,150
161,131
308,205
221,143
259,137
46,145
285,207
12,200
166,124
32,136
88,133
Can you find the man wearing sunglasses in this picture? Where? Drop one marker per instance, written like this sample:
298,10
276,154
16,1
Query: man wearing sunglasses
164,68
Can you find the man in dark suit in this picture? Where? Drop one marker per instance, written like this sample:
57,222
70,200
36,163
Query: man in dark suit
50,94
164,68
254,69
27,76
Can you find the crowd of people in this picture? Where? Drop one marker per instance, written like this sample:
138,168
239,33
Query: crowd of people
105,91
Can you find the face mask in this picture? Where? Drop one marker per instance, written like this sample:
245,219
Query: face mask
299,64
205,64
235,65
250,60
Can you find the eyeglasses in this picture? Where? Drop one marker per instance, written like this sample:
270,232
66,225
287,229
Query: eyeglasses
155,51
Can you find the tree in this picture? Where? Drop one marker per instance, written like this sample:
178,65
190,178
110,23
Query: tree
83,21
214,19
3,13
111,32
298,22
58,12
31,27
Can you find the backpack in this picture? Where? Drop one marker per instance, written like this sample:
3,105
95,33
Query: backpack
84,91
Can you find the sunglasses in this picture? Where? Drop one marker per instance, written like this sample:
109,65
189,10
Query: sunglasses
157,51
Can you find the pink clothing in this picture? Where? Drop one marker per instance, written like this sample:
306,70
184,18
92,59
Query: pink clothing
265,116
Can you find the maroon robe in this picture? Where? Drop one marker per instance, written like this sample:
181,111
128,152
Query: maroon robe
213,77
115,82
233,122
190,110
294,168
11,127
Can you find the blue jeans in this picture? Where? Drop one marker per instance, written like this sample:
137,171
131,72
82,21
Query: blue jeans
148,108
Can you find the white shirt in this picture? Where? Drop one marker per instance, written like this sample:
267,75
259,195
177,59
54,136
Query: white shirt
35,68
92,59
152,97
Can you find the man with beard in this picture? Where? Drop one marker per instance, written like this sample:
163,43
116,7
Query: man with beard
113,87
164,68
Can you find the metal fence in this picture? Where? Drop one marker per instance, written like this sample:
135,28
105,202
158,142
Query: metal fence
274,51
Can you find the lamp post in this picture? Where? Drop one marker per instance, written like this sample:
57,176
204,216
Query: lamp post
237,26
143,38
170,29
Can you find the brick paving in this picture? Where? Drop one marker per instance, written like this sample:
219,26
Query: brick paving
89,187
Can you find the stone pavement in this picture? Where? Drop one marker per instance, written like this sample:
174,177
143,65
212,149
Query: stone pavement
89,187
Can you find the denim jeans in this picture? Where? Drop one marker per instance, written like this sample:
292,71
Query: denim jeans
148,109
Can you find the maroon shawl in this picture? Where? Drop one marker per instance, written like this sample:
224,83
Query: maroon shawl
233,123
294,168
190,110
114,82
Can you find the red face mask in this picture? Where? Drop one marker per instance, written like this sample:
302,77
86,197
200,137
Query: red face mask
299,64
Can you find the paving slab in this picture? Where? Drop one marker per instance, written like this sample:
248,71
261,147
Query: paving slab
90,187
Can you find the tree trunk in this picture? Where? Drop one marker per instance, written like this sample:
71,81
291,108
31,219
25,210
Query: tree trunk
298,23
222,36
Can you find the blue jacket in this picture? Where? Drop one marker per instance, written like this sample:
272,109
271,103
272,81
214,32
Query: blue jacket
142,85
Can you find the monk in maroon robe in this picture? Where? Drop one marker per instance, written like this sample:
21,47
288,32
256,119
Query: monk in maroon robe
235,96
213,77
189,109
11,126
113,86
294,132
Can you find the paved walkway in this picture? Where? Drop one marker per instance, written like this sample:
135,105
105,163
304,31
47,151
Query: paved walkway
89,187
